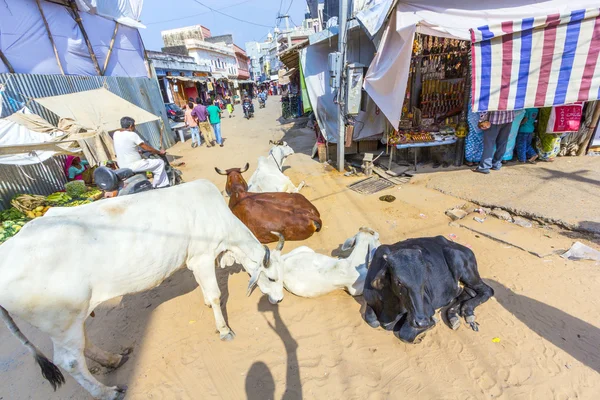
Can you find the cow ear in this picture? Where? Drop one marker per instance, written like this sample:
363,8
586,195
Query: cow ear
349,243
377,282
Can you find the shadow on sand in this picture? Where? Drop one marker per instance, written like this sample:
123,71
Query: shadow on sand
259,380
574,336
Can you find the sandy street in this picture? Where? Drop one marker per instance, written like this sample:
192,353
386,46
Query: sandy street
539,336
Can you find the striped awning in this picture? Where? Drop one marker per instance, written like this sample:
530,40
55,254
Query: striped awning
537,62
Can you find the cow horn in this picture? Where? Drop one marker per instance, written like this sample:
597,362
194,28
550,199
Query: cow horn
367,230
281,241
267,258
271,142
245,168
220,172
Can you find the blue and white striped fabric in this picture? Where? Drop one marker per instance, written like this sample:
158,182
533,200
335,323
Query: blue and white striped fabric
537,62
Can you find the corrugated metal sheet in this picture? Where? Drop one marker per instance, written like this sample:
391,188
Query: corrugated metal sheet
21,89
43,178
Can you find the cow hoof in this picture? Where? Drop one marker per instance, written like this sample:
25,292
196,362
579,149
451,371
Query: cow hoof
228,337
454,323
120,392
373,324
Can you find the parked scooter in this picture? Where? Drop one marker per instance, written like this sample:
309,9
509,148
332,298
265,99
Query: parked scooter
125,181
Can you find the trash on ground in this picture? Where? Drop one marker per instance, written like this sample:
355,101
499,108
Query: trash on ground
480,220
522,222
496,340
456,213
580,251
388,197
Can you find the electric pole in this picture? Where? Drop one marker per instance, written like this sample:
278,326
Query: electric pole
342,21
287,29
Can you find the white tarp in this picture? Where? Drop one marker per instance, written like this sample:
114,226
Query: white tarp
14,134
25,43
370,122
387,76
97,110
126,12
372,18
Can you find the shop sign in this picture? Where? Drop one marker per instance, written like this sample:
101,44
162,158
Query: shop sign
565,118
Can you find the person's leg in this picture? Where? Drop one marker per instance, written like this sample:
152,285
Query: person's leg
195,135
208,133
157,167
532,155
489,141
522,146
217,129
501,142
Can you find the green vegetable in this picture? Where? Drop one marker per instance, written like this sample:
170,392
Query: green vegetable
75,188
11,214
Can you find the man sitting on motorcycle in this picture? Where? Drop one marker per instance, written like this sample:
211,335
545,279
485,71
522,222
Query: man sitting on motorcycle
126,142
262,97
247,103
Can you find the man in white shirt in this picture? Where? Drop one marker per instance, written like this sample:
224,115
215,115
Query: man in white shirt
127,142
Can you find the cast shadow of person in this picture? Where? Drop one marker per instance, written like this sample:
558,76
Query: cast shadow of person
260,384
259,372
574,336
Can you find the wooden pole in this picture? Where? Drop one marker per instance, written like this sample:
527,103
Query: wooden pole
85,36
110,48
6,62
62,71
583,147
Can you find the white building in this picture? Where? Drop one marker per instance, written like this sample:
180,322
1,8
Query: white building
220,58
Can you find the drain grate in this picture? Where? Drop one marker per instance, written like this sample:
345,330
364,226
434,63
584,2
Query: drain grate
371,185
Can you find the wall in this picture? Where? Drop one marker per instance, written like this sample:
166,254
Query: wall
22,88
219,62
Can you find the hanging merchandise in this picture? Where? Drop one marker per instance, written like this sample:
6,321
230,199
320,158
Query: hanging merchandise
209,86
565,118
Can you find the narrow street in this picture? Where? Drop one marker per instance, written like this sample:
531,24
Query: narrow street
538,336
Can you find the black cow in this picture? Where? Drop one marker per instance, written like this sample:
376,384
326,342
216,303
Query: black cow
408,281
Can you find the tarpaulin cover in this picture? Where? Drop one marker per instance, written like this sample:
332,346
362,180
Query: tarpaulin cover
22,145
126,12
387,76
98,110
313,59
25,43
537,62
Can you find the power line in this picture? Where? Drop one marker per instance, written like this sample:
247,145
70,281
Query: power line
196,15
231,16
288,10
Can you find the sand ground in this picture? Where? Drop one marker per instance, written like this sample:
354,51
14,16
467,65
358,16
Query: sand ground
539,337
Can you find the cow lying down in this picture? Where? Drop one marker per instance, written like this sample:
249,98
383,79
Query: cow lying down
309,274
408,281
269,176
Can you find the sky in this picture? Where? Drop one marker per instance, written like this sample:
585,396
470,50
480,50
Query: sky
160,15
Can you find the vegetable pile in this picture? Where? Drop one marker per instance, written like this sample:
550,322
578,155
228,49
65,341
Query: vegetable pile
26,207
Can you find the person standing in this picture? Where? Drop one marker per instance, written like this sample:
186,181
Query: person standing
126,142
496,126
214,114
190,123
200,115
525,150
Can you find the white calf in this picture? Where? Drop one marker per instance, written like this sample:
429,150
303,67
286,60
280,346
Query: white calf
59,268
268,176
309,274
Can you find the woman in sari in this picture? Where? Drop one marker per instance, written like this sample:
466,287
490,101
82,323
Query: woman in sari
78,170
546,144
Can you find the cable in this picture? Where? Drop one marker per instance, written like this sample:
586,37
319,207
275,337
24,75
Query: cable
195,15
231,16
288,10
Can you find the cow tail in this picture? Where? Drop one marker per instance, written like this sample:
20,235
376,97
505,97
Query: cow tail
49,370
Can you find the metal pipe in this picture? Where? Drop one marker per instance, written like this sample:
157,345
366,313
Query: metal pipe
343,19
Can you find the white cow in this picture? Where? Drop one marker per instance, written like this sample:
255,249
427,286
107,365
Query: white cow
268,176
309,274
59,268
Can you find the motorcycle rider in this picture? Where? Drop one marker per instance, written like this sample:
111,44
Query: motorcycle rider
127,142
248,106
262,97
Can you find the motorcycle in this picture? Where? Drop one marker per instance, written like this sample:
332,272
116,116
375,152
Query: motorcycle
261,103
126,182
248,110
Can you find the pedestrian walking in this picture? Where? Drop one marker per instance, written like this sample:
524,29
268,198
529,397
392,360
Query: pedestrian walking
525,150
190,123
200,115
214,114
497,125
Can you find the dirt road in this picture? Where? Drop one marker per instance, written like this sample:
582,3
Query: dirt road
539,337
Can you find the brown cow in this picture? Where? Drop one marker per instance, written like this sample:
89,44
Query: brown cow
289,213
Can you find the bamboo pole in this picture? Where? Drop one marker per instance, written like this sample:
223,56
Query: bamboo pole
110,48
6,62
85,36
583,147
62,71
